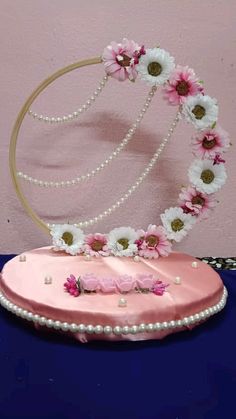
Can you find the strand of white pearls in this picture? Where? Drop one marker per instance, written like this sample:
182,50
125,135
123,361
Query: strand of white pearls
106,162
70,117
132,189
117,330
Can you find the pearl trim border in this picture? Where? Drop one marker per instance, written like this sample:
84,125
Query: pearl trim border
117,330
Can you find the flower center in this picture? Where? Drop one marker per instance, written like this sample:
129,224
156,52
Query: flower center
199,112
154,69
198,200
207,176
177,224
152,240
68,238
125,62
182,88
208,144
124,243
97,245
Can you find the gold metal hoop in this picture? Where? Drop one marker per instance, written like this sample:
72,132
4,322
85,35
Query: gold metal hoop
16,129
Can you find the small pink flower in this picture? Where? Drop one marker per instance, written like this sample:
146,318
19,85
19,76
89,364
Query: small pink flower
196,203
210,142
159,288
145,281
96,244
218,159
89,282
121,59
153,243
125,283
108,285
72,286
182,83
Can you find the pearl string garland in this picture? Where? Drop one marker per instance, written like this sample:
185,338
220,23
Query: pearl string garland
138,182
77,113
106,162
117,330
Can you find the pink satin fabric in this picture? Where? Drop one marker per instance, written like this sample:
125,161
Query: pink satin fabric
23,284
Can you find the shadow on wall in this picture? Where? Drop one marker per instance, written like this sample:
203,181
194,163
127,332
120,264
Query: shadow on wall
69,157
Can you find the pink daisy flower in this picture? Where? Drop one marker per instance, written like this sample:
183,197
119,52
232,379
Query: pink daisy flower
120,59
153,243
96,244
196,203
210,142
182,83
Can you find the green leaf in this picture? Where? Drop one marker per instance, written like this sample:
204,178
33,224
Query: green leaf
201,81
213,125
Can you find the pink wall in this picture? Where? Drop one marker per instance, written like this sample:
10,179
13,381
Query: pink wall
39,37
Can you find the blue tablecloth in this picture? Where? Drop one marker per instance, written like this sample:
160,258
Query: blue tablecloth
190,375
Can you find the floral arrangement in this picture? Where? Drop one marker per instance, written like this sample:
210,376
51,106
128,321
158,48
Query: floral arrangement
181,87
90,283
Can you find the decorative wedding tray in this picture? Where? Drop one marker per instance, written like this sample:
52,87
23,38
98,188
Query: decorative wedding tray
126,284
197,294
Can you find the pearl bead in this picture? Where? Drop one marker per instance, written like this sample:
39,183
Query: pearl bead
90,329
117,330
87,257
185,321
150,327
194,264
81,328
24,313
157,326
29,316
49,323
65,326
136,258
73,327
57,325
134,329
42,321
48,280
18,311
98,329
177,280
142,327
122,302
196,317
107,330
126,330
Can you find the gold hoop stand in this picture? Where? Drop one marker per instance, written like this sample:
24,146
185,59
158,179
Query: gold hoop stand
16,129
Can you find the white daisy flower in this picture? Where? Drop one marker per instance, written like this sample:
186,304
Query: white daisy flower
68,238
206,176
177,223
155,66
201,110
121,241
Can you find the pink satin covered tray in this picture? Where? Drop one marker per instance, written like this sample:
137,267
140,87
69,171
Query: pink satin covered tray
98,316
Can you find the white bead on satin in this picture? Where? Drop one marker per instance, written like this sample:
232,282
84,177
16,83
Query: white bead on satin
72,182
70,117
